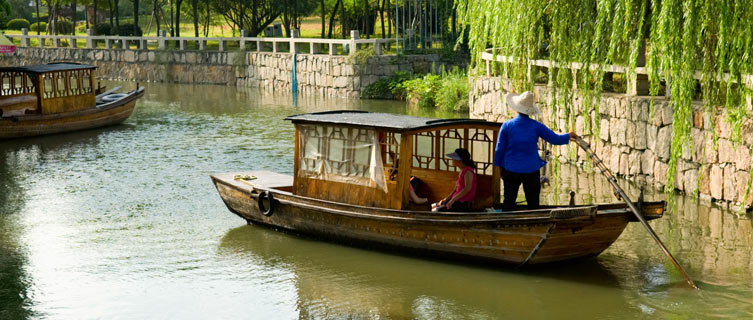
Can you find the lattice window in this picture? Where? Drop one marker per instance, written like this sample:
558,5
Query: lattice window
311,144
424,152
481,146
50,85
62,87
389,143
450,140
86,81
6,79
74,80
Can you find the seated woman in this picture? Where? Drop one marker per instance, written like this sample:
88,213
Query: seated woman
461,199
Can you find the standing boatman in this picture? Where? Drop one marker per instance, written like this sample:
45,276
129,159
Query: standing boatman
517,151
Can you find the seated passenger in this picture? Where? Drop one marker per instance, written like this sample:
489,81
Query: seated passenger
461,199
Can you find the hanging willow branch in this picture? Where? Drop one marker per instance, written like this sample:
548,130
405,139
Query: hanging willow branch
681,38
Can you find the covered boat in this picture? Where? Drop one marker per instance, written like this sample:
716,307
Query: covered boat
351,183
58,97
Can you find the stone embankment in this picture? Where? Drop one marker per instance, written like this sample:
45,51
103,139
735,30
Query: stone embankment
636,144
331,76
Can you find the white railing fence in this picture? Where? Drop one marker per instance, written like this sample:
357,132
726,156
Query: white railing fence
636,81
294,44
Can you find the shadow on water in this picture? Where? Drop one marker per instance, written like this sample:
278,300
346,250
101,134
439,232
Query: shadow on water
341,281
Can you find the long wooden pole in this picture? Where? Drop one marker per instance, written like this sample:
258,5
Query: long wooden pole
613,181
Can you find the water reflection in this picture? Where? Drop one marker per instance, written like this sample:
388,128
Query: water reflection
341,282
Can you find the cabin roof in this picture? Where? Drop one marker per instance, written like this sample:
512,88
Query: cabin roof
387,121
50,67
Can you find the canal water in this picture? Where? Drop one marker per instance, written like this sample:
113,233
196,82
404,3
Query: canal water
124,223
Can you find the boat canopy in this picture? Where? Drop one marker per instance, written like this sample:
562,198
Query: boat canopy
46,89
368,158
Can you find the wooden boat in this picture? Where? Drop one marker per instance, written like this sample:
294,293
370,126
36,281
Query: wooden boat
351,181
58,97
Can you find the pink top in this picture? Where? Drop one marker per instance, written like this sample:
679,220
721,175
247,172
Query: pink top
460,185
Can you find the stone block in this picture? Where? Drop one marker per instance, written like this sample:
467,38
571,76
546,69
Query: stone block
716,182
580,125
705,183
690,181
663,142
667,114
634,163
696,136
698,119
640,135
652,133
660,173
741,178
604,129
648,160
655,117
129,56
617,131
742,158
723,129
730,184
341,82
726,151
630,134
613,161
624,164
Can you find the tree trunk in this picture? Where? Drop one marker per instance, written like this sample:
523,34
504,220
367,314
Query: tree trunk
136,12
366,20
177,17
73,16
323,17
156,16
94,20
112,24
172,19
342,21
37,5
381,16
195,5
117,14
389,22
332,18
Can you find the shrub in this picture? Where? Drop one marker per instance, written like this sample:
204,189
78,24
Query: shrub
17,24
129,30
388,88
42,26
64,26
453,91
4,18
103,29
422,91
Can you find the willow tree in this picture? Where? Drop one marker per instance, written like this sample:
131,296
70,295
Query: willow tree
684,38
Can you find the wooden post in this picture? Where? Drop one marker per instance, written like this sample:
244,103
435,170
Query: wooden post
404,172
293,45
161,42
354,35
89,42
24,37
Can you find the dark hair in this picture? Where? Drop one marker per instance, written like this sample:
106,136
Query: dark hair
465,157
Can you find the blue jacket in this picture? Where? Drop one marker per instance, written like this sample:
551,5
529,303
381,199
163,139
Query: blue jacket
517,149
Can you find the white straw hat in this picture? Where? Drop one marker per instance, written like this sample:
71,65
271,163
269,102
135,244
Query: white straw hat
522,103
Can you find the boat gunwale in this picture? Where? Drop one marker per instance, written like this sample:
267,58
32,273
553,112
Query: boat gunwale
131,96
522,216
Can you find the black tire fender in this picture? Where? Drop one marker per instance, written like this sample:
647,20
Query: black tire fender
260,202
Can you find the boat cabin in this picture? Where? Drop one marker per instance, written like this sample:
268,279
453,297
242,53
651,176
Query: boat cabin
367,159
46,89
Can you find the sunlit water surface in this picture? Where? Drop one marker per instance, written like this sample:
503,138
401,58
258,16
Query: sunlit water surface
124,223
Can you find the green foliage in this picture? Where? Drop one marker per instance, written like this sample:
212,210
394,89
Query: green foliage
423,91
129,30
361,56
714,37
4,18
17,24
42,26
64,26
388,88
103,29
453,91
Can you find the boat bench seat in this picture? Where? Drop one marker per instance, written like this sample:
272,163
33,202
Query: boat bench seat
18,105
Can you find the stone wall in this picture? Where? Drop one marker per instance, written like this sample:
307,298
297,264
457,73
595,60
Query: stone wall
332,76
636,144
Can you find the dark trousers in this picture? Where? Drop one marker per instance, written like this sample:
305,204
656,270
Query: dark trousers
531,187
456,207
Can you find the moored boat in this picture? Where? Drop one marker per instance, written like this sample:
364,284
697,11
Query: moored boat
351,182
58,97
